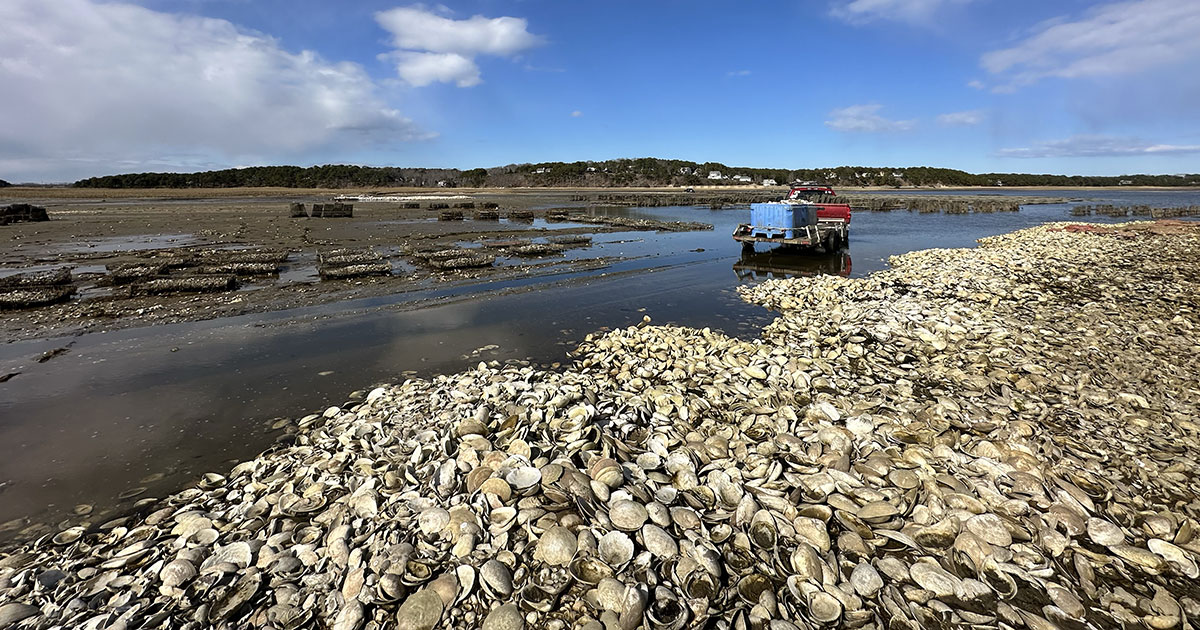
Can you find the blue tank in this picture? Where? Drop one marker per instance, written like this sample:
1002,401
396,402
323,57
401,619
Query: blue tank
775,220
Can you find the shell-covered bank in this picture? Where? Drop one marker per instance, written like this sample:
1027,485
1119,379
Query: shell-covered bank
998,437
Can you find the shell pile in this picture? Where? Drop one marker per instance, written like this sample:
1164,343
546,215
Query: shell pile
1001,437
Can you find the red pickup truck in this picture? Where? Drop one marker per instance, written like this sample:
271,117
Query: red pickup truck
818,195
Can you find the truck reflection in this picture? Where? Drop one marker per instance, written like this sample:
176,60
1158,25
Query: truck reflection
782,263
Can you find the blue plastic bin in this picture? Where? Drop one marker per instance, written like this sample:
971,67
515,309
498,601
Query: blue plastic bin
775,220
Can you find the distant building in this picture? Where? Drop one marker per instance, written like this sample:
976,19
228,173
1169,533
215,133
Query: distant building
769,182
591,169
442,183
715,175
742,178
541,170
685,170
1125,182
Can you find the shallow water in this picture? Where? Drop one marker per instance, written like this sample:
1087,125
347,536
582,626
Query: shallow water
469,224
135,243
75,269
157,406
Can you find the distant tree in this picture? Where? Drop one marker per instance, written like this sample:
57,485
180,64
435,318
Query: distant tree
475,177
620,172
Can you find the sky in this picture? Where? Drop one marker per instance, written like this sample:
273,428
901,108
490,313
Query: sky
93,87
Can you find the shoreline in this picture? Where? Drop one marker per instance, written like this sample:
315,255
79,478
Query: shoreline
962,399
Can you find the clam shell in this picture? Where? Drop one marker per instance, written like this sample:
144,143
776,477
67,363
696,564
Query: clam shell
865,580
825,608
658,542
496,578
628,515
506,617
1104,533
615,548
556,546
420,611
177,572
524,478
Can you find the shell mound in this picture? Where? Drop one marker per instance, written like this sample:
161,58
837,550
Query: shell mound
1003,436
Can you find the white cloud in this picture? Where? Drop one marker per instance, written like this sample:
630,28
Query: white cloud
1097,146
961,119
912,11
1119,38
95,87
423,68
416,28
976,84
576,114
431,47
865,118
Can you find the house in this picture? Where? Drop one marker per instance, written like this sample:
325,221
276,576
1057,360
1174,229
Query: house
742,178
769,182
591,169
715,175
442,183
1125,182
541,170
685,170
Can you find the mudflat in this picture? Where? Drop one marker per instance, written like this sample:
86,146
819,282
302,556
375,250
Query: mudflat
135,255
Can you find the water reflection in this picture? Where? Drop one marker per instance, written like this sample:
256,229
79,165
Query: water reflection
790,263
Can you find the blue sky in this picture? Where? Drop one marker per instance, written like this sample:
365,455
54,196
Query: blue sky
982,85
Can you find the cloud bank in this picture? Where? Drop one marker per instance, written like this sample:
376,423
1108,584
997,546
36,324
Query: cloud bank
1097,146
96,87
865,119
431,48
1120,38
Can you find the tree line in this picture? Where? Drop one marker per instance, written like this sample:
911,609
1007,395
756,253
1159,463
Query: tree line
608,173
